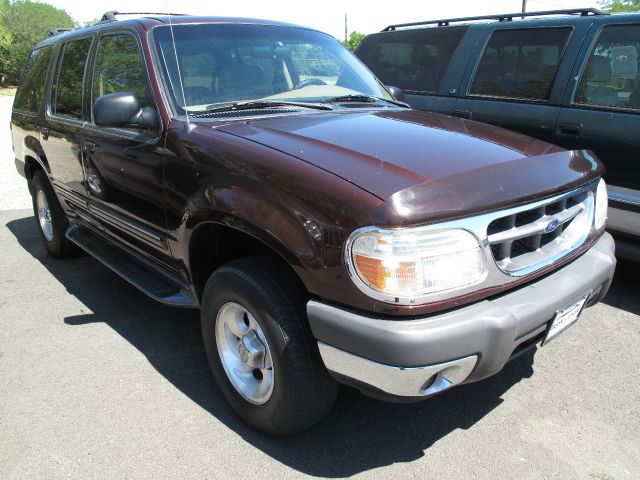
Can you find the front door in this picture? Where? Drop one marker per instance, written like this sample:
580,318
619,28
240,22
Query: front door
123,166
603,115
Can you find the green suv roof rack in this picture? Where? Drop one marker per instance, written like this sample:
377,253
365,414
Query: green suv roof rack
506,17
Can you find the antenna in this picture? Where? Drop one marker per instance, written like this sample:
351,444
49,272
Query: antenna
175,52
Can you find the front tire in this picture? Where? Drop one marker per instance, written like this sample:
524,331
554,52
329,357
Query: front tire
50,217
261,350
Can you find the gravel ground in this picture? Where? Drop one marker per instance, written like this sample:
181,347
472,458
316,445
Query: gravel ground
97,381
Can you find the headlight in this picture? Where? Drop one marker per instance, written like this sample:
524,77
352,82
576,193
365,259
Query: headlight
404,265
602,203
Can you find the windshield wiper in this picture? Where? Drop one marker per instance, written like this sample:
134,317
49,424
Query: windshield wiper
257,104
364,99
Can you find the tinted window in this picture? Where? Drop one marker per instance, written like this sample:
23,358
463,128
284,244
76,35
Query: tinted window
119,68
520,63
31,85
67,94
612,77
413,60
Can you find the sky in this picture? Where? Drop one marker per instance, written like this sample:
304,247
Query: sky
327,16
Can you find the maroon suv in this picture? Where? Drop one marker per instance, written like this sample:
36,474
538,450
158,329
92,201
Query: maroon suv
328,233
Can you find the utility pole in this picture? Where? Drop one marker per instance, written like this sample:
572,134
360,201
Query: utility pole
524,6
345,29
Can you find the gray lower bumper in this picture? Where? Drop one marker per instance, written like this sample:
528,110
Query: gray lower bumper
403,356
20,165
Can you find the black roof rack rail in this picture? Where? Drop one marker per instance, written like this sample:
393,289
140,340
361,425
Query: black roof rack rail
110,16
506,17
58,31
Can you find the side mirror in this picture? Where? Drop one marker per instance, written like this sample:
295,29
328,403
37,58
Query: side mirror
123,110
396,93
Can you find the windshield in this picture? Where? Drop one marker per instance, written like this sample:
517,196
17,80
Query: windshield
226,63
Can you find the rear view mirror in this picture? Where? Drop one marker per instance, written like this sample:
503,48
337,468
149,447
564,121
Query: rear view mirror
123,110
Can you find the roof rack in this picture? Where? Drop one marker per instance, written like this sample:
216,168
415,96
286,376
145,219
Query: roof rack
58,31
507,17
110,16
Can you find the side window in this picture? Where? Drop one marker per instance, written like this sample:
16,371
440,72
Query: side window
67,92
612,76
413,60
520,64
31,85
119,68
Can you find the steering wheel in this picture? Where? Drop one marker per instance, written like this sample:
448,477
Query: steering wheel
310,81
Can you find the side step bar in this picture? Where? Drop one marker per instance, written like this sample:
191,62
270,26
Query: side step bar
157,285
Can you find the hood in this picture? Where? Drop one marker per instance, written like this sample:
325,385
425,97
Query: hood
424,164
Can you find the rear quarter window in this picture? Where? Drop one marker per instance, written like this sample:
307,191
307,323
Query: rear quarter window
413,60
31,85
520,63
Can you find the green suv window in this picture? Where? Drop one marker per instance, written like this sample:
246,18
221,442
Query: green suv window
612,77
413,60
520,63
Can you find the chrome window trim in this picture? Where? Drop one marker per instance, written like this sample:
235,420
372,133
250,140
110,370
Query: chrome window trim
476,225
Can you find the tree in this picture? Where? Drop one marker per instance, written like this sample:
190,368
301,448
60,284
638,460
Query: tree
23,24
620,5
354,40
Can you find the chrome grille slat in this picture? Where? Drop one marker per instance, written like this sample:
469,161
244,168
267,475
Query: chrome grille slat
529,238
536,227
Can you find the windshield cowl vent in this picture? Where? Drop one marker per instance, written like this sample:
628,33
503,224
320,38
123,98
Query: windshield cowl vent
256,112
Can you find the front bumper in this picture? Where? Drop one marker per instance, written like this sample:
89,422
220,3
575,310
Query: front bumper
20,167
423,356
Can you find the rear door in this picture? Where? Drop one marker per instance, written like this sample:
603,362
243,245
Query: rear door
427,63
519,75
602,113
61,135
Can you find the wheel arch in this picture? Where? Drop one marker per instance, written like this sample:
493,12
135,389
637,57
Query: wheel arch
213,244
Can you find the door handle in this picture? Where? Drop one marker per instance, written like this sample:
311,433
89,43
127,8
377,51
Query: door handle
462,114
89,146
45,133
570,128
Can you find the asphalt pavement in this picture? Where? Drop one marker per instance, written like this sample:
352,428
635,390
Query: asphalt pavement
98,381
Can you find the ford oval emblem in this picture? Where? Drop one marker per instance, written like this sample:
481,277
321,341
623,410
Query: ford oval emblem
551,226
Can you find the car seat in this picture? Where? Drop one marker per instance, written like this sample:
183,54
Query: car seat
596,89
243,82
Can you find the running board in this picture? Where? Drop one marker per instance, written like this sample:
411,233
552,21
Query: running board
157,285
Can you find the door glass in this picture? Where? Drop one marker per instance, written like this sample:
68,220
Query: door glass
31,85
67,92
413,60
119,68
612,77
520,64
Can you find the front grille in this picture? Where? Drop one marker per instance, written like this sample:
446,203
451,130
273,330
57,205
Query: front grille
532,238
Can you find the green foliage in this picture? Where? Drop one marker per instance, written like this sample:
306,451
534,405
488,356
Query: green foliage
620,5
88,23
24,23
354,40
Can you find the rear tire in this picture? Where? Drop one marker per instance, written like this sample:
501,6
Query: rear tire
50,217
261,350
